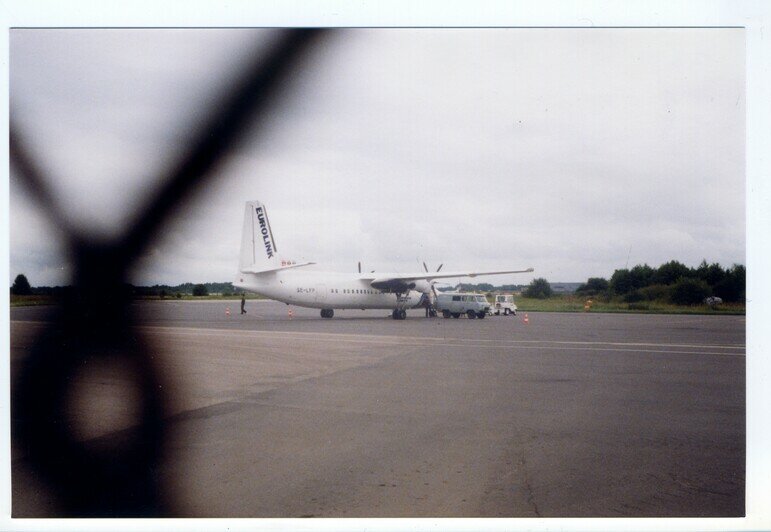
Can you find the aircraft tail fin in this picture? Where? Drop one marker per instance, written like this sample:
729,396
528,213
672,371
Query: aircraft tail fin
258,246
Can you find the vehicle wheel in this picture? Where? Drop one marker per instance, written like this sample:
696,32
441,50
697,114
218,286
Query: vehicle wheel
497,312
402,314
327,313
446,314
395,314
456,315
471,314
481,315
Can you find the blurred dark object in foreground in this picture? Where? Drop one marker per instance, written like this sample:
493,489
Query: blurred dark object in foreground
117,475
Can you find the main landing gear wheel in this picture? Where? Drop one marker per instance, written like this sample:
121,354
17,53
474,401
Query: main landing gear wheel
399,314
471,314
481,315
327,313
446,314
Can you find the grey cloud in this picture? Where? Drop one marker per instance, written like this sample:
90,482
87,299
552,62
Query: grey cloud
557,149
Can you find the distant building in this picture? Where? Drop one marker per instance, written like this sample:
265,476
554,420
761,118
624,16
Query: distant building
564,288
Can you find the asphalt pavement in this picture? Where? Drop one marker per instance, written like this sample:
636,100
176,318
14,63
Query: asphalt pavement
568,415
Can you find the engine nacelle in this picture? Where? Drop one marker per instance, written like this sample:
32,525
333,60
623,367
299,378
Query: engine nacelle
421,286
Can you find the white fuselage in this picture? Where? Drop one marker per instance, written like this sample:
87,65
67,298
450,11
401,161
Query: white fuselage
324,290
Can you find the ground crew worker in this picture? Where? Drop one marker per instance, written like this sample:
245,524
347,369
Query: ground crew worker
243,302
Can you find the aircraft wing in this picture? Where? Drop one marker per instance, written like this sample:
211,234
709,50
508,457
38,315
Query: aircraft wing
402,281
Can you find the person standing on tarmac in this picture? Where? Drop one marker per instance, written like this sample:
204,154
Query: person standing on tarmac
243,303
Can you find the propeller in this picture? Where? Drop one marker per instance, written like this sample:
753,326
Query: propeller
432,284
373,271
437,270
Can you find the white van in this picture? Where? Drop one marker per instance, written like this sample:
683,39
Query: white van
504,304
455,303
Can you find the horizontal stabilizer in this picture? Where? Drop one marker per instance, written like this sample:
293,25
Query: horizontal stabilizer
260,268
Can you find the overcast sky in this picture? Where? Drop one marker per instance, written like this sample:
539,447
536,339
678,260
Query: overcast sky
569,150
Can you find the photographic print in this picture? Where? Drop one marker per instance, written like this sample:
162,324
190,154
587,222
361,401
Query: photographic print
377,272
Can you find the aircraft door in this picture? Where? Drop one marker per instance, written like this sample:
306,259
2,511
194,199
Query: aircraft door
321,293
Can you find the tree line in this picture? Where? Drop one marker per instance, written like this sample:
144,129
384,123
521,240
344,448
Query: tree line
198,289
672,281
22,287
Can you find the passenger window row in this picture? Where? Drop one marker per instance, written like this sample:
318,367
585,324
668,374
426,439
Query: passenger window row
353,291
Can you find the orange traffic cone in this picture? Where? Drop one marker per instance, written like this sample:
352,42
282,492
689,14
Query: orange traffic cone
290,313
527,320
227,311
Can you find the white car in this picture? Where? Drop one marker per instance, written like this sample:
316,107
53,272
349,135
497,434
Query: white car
504,304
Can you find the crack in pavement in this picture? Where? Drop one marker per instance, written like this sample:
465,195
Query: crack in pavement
526,480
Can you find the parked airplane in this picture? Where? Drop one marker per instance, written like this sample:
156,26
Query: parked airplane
263,271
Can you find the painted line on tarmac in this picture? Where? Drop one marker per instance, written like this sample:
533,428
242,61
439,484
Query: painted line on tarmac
423,340
410,341
433,340
635,344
